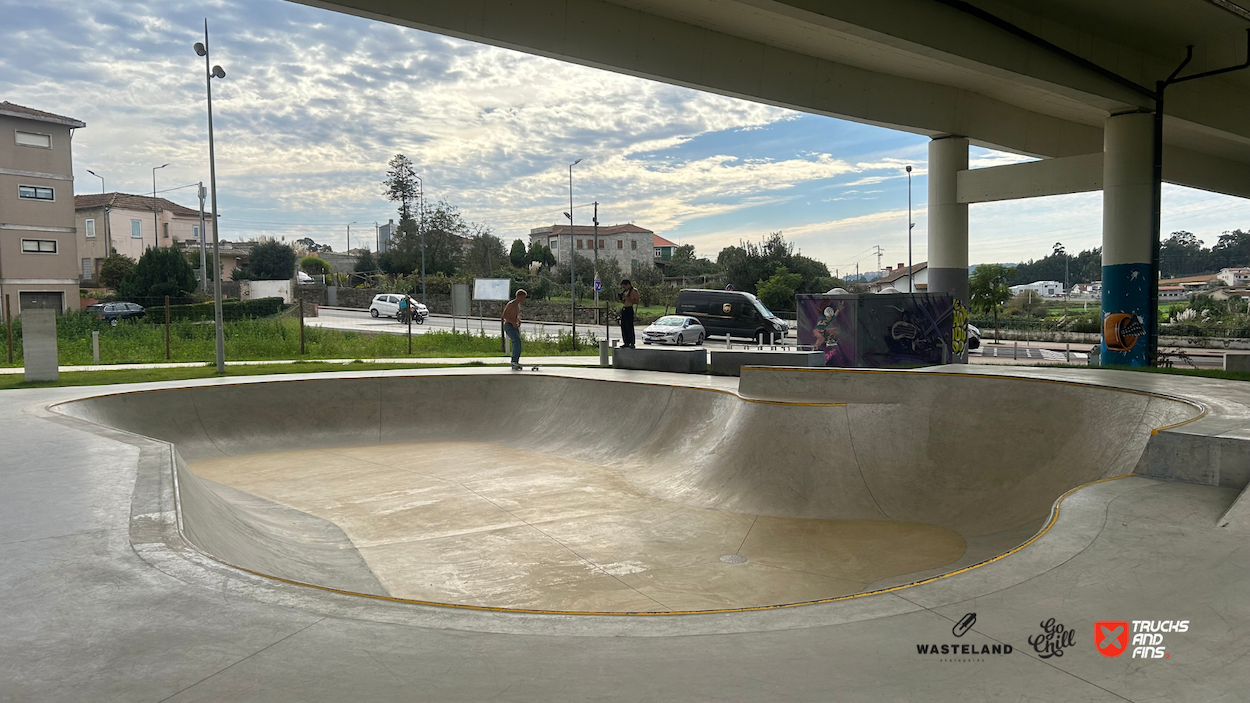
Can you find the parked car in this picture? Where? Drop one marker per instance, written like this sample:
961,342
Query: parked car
385,305
112,312
974,337
674,329
731,312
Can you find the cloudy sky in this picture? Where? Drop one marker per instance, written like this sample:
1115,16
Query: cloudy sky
315,103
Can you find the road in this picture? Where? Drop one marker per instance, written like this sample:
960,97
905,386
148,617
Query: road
1005,353
360,321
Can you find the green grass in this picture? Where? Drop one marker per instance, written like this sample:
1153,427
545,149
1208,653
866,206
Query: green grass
269,339
100,378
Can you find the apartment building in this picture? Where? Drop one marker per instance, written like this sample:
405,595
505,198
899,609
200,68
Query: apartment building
39,264
130,224
627,243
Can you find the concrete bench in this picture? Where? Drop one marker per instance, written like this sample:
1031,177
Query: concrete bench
672,360
729,362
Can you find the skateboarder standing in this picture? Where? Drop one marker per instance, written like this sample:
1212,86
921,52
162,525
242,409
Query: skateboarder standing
629,298
512,326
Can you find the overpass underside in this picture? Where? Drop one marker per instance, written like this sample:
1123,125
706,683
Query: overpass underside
1072,82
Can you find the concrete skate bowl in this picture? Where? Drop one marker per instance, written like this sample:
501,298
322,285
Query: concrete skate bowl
559,494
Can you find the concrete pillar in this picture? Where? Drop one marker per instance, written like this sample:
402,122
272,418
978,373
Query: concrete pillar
1127,193
948,234
948,218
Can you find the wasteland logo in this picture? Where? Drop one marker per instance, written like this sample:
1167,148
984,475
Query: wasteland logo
1052,640
961,651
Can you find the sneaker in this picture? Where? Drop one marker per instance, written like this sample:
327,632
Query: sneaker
517,367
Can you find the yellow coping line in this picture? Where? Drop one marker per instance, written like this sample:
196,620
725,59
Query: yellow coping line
1053,518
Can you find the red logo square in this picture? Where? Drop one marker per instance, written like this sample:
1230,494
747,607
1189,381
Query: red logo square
1111,637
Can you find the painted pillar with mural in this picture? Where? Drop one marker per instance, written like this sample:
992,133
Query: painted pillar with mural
1126,226
948,233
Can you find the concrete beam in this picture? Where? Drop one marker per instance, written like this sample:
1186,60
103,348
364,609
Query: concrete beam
1083,174
1196,169
1034,179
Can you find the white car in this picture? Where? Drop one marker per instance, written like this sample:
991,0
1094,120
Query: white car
674,329
385,305
974,337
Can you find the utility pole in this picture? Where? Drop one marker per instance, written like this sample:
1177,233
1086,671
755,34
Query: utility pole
596,221
203,246
879,269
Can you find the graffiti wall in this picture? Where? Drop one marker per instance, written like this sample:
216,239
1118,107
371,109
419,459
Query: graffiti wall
884,331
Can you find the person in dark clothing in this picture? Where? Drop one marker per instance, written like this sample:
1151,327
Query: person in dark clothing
629,298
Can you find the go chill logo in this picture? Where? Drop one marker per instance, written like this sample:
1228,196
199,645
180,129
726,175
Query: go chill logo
1112,637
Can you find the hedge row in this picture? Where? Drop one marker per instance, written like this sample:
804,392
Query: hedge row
231,310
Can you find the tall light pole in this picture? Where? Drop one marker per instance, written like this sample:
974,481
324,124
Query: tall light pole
572,255
108,236
156,228
209,75
911,273
421,231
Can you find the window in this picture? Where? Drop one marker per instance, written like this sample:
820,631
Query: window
620,244
89,228
633,244
579,244
34,193
136,229
165,225
600,243
44,141
195,232
86,269
39,246
555,243
658,253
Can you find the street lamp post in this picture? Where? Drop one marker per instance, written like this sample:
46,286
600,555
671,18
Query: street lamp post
108,237
911,272
572,256
209,75
156,227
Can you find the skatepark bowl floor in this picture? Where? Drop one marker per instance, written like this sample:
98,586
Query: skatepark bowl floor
561,494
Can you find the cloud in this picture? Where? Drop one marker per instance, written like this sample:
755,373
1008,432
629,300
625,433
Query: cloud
315,103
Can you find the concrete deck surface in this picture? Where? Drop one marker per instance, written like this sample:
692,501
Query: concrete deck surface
104,601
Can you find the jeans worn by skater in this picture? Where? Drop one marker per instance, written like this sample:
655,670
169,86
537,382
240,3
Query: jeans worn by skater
627,326
514,335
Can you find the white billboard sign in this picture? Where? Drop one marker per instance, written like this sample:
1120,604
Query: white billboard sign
491,289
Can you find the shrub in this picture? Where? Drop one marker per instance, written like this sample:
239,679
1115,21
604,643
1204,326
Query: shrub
271,261
231,310
314,265
114,269
161,271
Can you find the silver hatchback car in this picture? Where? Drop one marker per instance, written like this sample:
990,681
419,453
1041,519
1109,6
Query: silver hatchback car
674,329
